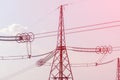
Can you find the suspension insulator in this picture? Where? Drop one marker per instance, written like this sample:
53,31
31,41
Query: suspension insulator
32,36
103,49
40,62
25,37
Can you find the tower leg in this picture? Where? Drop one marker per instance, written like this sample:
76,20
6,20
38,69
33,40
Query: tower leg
118,68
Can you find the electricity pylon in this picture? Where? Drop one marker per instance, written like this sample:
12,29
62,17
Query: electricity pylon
118,69
61,69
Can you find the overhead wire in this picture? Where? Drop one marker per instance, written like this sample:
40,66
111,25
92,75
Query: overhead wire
20,57
8,40
106,62
46,36
116,48
29,67
80,49
42,61
98,24
72,65
86,64
89,50
78,31
7,36
87,26
8,77
93,29
101,58
54,33
42,54
38,20
23,57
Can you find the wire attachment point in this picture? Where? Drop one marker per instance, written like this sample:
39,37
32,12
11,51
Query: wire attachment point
104,49
25,37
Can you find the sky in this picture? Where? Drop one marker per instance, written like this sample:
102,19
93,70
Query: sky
17,16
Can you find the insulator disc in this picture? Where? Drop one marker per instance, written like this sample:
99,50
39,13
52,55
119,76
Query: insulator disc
97,49
32,36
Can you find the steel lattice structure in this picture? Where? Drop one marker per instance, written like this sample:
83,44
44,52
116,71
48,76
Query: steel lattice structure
118,69
61,69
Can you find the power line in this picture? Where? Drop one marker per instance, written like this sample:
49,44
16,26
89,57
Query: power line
93,29
20,57
54,33
8,36
18,72
81,49
49,64
78,31
8,40
87,26
86,64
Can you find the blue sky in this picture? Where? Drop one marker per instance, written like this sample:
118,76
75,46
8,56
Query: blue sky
37,16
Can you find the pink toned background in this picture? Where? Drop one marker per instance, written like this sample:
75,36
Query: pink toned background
41,16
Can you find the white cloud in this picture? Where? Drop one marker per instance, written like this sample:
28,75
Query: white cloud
13,29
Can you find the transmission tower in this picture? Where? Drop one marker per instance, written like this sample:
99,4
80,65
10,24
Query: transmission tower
118,69
61,69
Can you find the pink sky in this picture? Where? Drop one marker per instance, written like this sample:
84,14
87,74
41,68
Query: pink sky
41,16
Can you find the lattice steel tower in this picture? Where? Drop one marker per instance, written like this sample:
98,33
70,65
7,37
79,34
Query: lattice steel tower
118,69
61,69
